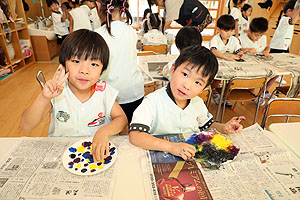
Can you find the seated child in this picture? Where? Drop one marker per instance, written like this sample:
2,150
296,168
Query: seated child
186,36
79,104
153,30
224,42
176,108
60,20
255,41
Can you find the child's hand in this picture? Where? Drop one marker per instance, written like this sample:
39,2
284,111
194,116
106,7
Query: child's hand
233,125
53,87
182,150
233,57
100,146
267,55
240,54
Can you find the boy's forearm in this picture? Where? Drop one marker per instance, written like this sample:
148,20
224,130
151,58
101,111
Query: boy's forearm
219,54
167,25
115,126
35,113
219,126
147,141
295,15
267,50
236,29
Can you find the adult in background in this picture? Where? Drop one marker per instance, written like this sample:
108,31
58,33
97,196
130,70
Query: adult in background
184,12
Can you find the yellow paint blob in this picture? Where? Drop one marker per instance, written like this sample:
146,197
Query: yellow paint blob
220,141
93,166
100,167
78,165
81,149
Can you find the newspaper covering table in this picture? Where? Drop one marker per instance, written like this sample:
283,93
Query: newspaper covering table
34,170
291,63
250,67
261,171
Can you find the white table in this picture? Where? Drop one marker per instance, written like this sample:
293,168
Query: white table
289,134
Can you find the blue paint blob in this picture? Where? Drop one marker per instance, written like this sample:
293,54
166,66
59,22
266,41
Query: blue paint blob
108,158
89,148
91,160
71,166
106,162
72,149
87,155
82,160
112,153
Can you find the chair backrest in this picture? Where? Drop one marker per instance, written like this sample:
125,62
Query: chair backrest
146,53
205,95
247,83
281,107
158,49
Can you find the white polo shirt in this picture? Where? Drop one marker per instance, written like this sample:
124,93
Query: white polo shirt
283,35
159,114
60,28
237,15
244,25
123,72
81,18
258,45
232,46
71,117
154,37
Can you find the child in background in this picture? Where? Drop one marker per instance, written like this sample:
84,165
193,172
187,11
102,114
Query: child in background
65,7
176,108
186,36
224,42
78,103
123,72
246,13
81,14
73,3
185,13
283,35
60,20
237,15
153,30
255,41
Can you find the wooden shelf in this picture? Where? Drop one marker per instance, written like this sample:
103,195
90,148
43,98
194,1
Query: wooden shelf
18,30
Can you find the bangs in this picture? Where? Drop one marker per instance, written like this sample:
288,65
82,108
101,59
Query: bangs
84,44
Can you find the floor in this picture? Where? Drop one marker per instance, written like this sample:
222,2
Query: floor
20,89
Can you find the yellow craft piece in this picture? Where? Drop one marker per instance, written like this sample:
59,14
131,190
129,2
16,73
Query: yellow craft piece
93,166
78,165
88,160
100,167
81,149
220,141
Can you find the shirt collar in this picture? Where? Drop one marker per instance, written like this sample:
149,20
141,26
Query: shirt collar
169,92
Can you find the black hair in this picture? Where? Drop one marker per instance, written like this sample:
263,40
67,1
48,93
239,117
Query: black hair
146,11
84,44
74,2
114,5
50,2
259,25
289,5
235,3
226,22
188,36
201,58
156,22
246,7
151,3
67,5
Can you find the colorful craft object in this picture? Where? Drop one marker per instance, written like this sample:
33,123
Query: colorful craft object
212,149
78,159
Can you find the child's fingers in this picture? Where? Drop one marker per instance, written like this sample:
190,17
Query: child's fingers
63,79
106,153
58,73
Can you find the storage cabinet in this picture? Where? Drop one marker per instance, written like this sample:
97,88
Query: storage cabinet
15,39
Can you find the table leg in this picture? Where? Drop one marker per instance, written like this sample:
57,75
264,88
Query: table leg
220,101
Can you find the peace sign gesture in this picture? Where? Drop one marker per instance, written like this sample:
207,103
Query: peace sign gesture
54,87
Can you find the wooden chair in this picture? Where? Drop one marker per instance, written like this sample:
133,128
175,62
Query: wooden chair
281,107
284,90
240,89
206,95
157,49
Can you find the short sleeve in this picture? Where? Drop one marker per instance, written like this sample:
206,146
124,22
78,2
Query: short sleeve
237,45
205,120
56,18
235,14
142,117
213,44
